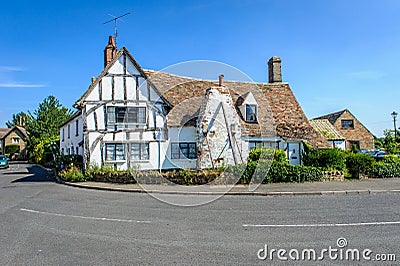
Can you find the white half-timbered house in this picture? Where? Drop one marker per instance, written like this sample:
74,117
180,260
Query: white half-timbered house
152,120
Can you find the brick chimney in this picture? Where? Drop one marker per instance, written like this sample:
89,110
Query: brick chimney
221,80
110,51
274,70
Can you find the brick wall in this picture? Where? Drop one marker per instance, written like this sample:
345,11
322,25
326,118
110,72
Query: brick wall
359,133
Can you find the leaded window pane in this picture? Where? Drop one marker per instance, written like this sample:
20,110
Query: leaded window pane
144,151
135,151
110,152
119,152
142,115
175,151
111,114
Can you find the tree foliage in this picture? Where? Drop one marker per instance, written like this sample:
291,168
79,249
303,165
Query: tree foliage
44,126
20,119
389,143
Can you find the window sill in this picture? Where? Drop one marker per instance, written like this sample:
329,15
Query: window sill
140,161
180,159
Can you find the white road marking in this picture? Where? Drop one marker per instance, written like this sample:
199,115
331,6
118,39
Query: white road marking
321,225
84,217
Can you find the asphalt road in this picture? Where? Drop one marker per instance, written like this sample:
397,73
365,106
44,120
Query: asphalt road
45,223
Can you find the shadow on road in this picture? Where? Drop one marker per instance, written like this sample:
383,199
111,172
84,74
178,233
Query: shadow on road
35,174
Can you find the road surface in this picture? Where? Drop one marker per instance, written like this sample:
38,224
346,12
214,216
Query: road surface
45,223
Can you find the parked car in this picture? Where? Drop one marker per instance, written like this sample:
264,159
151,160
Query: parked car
4,161
378,155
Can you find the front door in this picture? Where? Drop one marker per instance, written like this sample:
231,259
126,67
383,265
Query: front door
293,151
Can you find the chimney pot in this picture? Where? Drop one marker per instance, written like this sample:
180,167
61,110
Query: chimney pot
221,80
110,51
274,70
93,79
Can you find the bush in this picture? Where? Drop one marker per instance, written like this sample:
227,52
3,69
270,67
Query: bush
390,159
72,174
276,172
292,173
110,174
67,161
12,149
324,158
266,153
385,170
357,164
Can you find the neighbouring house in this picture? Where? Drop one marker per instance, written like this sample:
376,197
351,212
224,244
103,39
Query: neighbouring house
329,132
132,117
351,129
71,135
15,136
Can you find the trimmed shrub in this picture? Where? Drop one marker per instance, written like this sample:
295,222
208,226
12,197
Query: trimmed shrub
324,158
12,149
266,153
292,173
357,164
72,174
390,158
277,172
385,170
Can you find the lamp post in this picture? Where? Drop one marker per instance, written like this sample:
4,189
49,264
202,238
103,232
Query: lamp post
394,115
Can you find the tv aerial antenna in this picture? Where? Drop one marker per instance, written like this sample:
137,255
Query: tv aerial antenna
115,19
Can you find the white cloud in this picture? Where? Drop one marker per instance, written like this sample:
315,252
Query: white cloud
367,74
21,85
11,68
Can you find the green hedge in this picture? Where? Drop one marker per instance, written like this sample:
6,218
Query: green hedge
12,149
324,158
385,170
357,164
276,172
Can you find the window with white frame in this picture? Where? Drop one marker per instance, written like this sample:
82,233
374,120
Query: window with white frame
184,150
63,134
15,140
126,115
115,152
251,113
140,151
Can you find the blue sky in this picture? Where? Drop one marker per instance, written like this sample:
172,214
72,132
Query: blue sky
335,54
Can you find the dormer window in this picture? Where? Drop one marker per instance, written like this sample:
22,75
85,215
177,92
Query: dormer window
251,113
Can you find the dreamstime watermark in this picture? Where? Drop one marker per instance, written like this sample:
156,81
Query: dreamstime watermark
340,252
203,128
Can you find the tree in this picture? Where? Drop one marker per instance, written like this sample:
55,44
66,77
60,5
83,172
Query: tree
19,119
389,142
44,127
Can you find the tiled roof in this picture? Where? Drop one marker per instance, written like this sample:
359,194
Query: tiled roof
278,108
332,117
3,132
23,131
326,129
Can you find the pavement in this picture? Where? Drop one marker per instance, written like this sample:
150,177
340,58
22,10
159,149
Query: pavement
366,186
